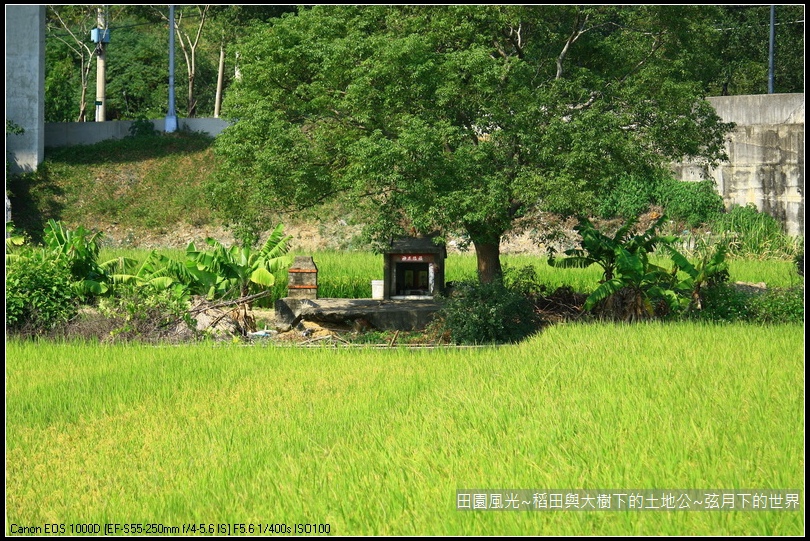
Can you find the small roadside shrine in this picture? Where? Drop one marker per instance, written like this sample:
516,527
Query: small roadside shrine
413,269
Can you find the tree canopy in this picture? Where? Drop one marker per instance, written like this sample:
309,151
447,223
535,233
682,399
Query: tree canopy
462,119
736,61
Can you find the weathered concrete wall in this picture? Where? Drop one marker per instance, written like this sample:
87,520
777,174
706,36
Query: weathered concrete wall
25,85
766,156
61,134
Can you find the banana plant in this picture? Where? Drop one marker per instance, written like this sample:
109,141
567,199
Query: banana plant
631,286
156,271
600,249
711,268
80,249
638,291
224,272
13,238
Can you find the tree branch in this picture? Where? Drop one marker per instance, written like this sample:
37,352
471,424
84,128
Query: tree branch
578,30
241,300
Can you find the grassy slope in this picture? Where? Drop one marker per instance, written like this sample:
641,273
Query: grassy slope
147,192
148,182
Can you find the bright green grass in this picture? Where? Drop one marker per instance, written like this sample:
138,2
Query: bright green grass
377,442
774,272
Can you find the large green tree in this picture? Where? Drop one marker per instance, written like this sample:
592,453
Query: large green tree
462,119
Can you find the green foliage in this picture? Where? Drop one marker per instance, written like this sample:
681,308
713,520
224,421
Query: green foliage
14,238
447,118
487,313
12,128
710,269
156,272
523,279
62,85
693,203
146,296
777,305
739,62
143,312
754,234
142,127
633,287
232,272
640,290
136,83
218,273
631,196
39,293
79,248
603,250
723,302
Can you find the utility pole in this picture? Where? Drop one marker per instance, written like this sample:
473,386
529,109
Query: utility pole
171,116
102,35
771,47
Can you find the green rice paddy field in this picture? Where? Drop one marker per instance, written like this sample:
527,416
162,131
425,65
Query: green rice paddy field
349,274
378,441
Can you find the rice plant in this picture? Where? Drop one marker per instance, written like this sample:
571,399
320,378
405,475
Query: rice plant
378,442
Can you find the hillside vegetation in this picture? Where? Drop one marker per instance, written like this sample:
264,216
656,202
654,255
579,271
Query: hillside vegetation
146,192
152,191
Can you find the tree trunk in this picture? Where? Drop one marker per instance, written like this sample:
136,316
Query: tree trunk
488,255
83,105
192,102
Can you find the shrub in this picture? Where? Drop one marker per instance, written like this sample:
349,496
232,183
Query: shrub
39,296
724,302
523,280
694,203
140,312
630,197
721,302
754,234
142,127
777,305
490,313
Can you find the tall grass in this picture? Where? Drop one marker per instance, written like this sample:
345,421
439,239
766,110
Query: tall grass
377,442
754,234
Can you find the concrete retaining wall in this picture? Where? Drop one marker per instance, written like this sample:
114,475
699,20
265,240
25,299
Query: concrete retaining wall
61,134
766,156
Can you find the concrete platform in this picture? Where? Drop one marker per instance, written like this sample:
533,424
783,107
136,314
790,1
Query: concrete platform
400,315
